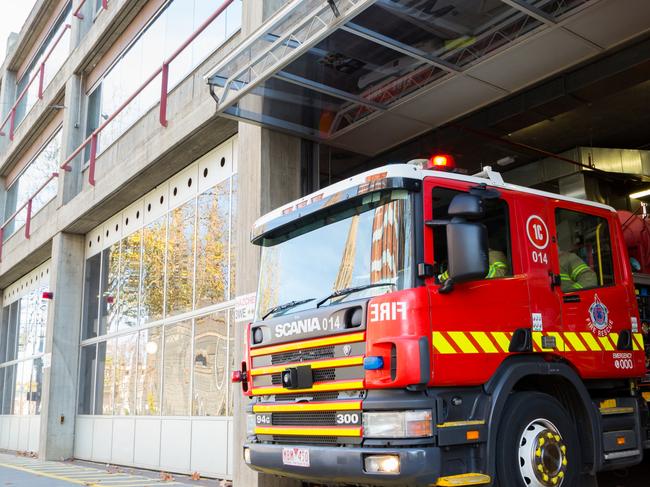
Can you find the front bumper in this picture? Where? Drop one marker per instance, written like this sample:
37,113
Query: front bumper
419,466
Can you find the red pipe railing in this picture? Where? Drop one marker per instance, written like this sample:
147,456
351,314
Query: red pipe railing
77,13
92,138
40,75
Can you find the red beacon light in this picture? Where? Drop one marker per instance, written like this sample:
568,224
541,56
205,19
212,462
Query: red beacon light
443,162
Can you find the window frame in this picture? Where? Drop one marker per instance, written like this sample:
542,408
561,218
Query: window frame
607,221
502,197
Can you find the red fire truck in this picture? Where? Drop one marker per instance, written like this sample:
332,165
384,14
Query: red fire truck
421,327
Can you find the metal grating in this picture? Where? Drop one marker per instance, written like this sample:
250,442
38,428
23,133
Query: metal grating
315,396
327,418
318,375
297,440
302,355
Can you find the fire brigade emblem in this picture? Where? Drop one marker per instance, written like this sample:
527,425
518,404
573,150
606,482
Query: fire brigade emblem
598,321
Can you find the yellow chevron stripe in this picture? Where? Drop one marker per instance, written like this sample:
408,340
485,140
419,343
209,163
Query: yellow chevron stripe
614,338
308,431
462,341
591,342
607,345
441,344
638,340
304,407
320,342
315,364
502,340
484,342
576,343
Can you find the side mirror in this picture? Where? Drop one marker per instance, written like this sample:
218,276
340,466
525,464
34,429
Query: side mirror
466,206
467,248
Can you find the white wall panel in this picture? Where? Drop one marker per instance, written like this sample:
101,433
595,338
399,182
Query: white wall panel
207,456
175,444
5,427
14,432
102,439
34,433
216,165
123,441
147,442
156,203
83,438
23,433
230,447
184,186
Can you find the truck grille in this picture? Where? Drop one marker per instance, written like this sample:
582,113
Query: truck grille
346,369
302,355
325,418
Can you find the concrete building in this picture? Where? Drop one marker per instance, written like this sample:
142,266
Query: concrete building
142,138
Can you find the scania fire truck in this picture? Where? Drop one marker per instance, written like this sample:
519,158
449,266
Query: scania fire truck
420,327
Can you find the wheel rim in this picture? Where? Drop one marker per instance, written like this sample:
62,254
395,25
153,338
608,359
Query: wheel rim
542,455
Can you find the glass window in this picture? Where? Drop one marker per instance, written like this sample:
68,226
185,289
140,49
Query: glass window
149,370
104,387
130,280
37,385
30,180
93,116
180,259
109,304
172,26
57,56
365,244
91,297
86,379
210,365
126,364
212,275
9,389
585,251
176,369
497,223
154,238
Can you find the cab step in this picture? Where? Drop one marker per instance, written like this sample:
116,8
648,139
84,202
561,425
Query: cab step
464,479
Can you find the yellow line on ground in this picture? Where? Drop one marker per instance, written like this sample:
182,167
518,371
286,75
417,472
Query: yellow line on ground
134,482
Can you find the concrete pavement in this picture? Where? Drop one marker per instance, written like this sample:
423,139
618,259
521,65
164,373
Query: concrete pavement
29,472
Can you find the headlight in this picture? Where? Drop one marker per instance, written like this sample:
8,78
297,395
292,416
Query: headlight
403,424
250,424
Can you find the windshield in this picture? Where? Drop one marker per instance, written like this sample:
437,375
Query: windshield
365,244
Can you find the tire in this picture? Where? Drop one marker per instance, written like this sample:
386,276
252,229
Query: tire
537,445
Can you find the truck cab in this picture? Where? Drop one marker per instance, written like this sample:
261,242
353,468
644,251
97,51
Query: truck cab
419,327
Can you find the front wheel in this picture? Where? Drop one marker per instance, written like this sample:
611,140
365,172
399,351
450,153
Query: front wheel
537,444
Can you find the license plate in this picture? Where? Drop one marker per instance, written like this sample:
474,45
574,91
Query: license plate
297,457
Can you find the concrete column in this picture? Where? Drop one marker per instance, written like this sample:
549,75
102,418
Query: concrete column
58,405
268,171
70,182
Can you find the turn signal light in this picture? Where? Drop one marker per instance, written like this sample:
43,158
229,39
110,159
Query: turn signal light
472,435
236,377
620,441
48,295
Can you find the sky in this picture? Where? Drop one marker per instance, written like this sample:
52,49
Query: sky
14,14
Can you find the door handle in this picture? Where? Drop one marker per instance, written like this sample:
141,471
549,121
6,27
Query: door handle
571,298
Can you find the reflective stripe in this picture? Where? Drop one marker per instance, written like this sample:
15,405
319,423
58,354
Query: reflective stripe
462,341
484,342
578,270
607,345
591,342
441,344
576,343
502,340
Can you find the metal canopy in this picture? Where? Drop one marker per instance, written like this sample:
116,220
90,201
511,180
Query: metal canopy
323,68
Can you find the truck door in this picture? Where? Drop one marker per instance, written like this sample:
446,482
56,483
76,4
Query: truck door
595,303
473,324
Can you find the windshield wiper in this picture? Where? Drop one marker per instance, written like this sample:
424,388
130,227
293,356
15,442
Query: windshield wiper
282,307
354,289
